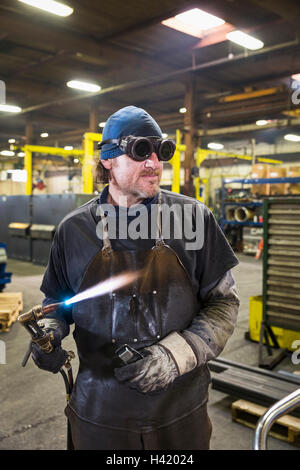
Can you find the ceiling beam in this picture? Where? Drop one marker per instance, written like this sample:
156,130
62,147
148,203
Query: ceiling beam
289,9
164,77
28,31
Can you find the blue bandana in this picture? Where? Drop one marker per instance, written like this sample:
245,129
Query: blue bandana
127,121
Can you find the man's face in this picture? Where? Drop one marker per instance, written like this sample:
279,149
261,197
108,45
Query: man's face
132,178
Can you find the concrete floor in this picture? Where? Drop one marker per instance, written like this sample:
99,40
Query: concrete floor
32,400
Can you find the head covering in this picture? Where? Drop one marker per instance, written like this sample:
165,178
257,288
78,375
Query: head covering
127,121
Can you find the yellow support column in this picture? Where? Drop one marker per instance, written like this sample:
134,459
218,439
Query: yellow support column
200,156
28,168
87,165
175,162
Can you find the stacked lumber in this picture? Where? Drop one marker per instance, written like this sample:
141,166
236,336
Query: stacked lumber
11,305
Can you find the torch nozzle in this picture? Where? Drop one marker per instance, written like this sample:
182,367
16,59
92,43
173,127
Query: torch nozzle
38,312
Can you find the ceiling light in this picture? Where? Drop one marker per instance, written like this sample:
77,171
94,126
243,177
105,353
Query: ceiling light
7,153
21,154
292,137
102,124
68,147
182,110
44,135
215,146
200,18
9,108
11,141
261,122
244,40
193,22
50,6
76,160
85,86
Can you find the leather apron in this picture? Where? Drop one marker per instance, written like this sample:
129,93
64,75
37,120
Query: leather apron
159,302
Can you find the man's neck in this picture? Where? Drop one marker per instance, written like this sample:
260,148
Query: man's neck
118,198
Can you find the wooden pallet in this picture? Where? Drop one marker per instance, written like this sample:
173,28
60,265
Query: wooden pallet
286,428
11,304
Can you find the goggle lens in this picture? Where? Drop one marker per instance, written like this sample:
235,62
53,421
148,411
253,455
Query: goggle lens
142,150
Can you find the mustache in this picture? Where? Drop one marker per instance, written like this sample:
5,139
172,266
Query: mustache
150,173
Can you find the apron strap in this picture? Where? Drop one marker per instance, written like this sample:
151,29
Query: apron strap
107,248
159,237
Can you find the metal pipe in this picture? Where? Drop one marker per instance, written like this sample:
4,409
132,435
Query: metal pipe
242,214
265,423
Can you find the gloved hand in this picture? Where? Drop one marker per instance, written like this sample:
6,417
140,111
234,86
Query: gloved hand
51,362
164,362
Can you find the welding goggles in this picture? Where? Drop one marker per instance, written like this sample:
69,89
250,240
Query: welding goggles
141,148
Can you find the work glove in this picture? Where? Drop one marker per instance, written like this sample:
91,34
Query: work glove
55,360
52,361
162,364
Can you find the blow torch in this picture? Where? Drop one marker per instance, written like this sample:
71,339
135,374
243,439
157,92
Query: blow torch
38,335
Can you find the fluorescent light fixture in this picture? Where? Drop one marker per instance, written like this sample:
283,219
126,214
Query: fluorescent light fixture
182,110
215,146
11,141
68,147
193,22
244,40
7,108
44,135
21,154
7,153
102,124
50,6
292,137
84,86
261,122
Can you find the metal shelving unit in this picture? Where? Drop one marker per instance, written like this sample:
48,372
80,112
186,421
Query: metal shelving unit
281,271
244,181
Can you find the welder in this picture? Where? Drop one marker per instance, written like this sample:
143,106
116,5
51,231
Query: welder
143,349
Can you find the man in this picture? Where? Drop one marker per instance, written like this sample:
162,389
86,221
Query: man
177,315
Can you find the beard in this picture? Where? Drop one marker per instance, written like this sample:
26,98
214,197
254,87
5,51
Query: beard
134,189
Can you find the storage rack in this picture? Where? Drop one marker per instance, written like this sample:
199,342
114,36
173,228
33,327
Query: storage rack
243,181
281,274
281,266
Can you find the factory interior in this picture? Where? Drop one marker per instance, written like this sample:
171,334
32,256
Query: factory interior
222,80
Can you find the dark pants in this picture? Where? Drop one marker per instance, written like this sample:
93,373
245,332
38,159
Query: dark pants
192,432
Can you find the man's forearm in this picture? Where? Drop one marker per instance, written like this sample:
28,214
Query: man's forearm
213,326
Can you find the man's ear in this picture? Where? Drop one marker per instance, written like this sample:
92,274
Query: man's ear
107,163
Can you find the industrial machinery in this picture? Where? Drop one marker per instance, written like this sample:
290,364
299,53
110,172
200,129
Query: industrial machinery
5,277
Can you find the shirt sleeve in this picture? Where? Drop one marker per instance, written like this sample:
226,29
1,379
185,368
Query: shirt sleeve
216,256
215,323
55,283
